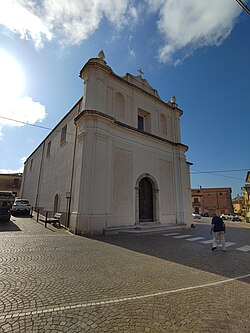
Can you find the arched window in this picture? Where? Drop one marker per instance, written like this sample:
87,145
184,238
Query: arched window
163,125
119,111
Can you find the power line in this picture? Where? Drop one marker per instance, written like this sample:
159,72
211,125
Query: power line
212,171
196,172
33,125
215,173
241,3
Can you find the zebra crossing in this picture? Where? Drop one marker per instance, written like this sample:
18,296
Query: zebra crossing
202,240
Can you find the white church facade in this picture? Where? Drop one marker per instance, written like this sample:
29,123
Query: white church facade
115,160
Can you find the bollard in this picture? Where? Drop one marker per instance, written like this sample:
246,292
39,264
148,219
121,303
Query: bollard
46,219
37,215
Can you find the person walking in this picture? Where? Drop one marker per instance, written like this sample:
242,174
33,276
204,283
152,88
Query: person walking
218,230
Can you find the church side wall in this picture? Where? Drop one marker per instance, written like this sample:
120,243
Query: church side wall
30,181
56,172
52,169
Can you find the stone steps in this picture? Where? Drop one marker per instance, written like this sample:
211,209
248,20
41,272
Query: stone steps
144,228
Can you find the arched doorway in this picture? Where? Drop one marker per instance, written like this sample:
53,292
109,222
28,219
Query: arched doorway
147,202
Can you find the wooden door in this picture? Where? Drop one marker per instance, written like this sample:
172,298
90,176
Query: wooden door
145,201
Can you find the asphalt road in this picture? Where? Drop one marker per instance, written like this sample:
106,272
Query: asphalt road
52,281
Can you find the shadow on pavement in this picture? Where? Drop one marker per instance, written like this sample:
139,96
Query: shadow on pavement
193,254
8,226
21,215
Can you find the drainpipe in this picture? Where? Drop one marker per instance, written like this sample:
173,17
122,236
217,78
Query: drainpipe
39,177
72,174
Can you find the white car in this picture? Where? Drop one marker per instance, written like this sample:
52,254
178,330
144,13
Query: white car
196,215
21,206
227,216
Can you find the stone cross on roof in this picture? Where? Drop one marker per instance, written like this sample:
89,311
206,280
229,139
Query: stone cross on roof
140,72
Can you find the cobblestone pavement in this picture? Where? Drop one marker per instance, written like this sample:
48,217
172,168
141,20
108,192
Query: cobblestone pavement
52,281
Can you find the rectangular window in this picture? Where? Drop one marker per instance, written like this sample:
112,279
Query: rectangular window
196,200
140,122
144,120
48,149
63,134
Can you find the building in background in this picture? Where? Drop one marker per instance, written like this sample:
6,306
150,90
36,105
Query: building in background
209,201
239,205
246,197
115,160
11,182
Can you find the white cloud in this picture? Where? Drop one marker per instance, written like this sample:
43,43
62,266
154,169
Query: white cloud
19,170
70,22
75,20
13,105
19,16
188,25
131,50
1,133
184,24
154,5
23,110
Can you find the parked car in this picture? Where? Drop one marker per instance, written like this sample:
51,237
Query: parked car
227,216
196,215
236,218
21,206
6,201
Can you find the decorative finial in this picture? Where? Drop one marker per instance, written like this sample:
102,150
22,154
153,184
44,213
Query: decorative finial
140,72
101,55
173,101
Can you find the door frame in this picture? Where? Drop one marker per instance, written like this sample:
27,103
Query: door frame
155,198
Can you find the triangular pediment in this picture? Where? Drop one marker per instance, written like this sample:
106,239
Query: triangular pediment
140,82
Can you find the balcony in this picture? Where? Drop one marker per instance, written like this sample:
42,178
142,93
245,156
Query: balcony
196,204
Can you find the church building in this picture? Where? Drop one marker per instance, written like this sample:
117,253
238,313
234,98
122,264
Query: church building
115,161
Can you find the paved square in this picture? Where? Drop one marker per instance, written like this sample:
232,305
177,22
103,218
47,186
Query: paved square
52,281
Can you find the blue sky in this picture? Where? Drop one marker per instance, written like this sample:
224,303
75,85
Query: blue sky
196,50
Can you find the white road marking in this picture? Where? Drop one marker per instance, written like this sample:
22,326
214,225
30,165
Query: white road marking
228,244
210,241
172,234
177,235
123,299
194,239
244,248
